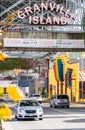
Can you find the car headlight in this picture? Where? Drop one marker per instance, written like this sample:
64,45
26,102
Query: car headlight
39,110
21,111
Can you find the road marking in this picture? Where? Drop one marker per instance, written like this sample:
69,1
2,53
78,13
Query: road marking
62,112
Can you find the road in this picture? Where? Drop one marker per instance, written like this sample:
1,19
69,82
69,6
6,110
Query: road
54,119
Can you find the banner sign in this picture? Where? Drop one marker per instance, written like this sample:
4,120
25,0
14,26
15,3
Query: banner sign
46,13
43,43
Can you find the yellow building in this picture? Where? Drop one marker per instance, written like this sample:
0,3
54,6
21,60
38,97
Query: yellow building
69,85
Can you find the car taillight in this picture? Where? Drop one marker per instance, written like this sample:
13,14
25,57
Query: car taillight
56,100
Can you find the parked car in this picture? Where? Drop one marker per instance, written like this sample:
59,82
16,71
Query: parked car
29,108
38,97
59,100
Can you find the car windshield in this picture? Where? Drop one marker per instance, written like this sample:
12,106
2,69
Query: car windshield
36,95
62,97
29,103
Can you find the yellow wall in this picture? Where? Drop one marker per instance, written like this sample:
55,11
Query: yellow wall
72,91
52,82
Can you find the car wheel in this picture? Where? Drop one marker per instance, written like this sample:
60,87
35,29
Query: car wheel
50,105
67,106
17,118
40,118
55,106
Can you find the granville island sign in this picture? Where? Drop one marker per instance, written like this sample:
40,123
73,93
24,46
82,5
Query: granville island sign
46,13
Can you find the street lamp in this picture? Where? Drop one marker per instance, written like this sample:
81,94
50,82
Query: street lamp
81,68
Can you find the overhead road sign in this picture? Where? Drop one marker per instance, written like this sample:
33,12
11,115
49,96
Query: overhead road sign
42,43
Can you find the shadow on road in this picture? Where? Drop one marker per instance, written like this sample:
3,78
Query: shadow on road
76,121
60,129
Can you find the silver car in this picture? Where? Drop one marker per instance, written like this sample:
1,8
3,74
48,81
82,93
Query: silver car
59,100
29,108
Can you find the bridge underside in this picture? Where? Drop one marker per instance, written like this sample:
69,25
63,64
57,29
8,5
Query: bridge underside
38,52
10,22
45,49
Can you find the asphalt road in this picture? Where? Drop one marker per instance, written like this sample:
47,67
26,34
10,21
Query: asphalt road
54,119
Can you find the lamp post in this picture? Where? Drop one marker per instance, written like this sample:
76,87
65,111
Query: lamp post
81,63
47,75
82,79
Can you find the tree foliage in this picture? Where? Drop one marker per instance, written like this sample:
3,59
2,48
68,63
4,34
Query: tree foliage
5,112
12,63
13,93
9,64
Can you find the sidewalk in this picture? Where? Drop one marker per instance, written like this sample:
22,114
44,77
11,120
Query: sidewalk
79,104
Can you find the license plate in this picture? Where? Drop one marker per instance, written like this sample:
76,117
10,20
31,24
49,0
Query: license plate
30,114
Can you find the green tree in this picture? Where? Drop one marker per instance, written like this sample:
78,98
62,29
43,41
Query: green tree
9,64
23,63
